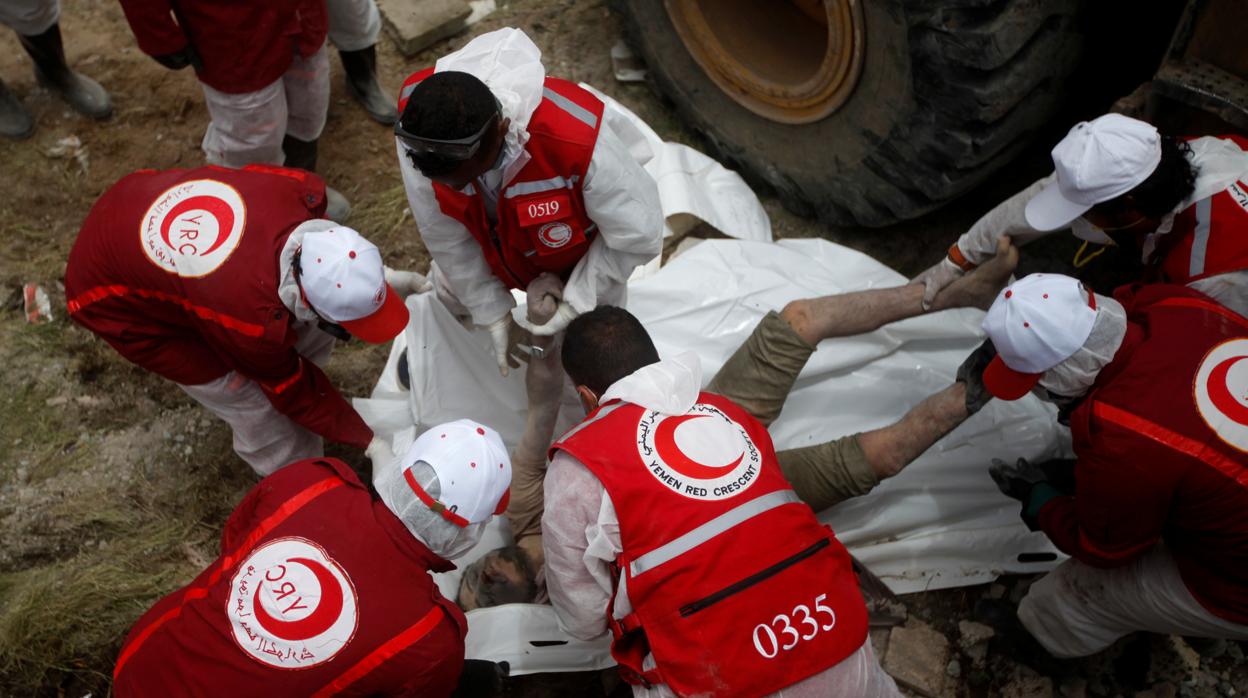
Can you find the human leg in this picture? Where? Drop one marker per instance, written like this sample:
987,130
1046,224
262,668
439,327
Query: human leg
245,128
263,437
353,29
40,33
1077,610
306,84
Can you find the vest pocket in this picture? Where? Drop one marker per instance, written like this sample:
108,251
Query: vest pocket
739,586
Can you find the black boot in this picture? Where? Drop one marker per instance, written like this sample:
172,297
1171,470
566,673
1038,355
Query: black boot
302,154
361,69
81,92
15,121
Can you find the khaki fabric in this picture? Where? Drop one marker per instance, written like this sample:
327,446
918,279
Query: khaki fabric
758,377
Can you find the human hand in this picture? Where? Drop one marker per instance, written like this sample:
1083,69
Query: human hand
979,288
178,59
564,314
935,278
544,294
505,335
1016,481
379,453
406,283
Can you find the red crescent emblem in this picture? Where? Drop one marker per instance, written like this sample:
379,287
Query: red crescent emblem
215,207
665,445
1220,393
320,620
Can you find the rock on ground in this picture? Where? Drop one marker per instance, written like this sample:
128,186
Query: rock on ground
917,657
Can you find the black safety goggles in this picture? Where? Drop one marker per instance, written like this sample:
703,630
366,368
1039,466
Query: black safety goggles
458,149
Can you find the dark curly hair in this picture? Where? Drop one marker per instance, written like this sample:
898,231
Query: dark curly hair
1172,181
446,106
604,345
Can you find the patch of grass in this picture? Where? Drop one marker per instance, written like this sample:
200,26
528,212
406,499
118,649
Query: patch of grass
61,625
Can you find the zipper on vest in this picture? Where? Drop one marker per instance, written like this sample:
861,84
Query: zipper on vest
701,604
498,245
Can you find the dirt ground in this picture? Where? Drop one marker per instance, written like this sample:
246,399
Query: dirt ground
114,485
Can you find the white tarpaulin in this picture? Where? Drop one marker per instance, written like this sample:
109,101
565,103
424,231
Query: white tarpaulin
940,523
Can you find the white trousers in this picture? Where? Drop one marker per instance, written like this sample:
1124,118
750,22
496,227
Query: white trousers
248,128
29,17
1077,610
353,24
263,437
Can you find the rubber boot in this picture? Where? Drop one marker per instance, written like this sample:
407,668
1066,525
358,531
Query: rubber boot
15,121
302,155
81,92
361,69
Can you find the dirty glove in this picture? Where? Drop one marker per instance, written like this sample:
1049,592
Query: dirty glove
481,678
542,298
971,372
564,314
379,453
937,277
178,59
1028,484
405,283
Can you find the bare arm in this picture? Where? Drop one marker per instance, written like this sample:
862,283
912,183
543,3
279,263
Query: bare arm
892,448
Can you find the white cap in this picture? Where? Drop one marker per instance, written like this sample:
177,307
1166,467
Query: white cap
472,467
344,280
1035,324
1097,161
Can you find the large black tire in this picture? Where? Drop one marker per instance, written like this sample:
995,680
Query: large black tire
949,92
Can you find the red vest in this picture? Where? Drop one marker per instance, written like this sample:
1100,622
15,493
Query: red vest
542,223
1209,237
125,283
319,590
736,588
1172,407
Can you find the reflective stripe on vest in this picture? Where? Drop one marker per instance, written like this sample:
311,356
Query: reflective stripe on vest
720,524
391,647
602,412
1200,239
1172,440
541,185
573,109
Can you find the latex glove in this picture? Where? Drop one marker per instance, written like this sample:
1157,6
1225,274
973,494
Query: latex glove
379,453
502,341
935,278
971,372
542,298
564,314
1017,480
405,283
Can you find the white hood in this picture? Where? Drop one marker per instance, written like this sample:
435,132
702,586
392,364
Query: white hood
671,386
510,64
287,287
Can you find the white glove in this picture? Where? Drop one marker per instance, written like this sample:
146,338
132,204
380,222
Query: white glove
379,453
500,331
563,315
937,277
405,283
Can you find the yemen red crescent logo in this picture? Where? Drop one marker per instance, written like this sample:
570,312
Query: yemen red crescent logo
291,605
1221,392
192,228
702,454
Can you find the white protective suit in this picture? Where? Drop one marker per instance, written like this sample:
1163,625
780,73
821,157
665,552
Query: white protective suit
353,24
1219,163
30,17
581,536
619,195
